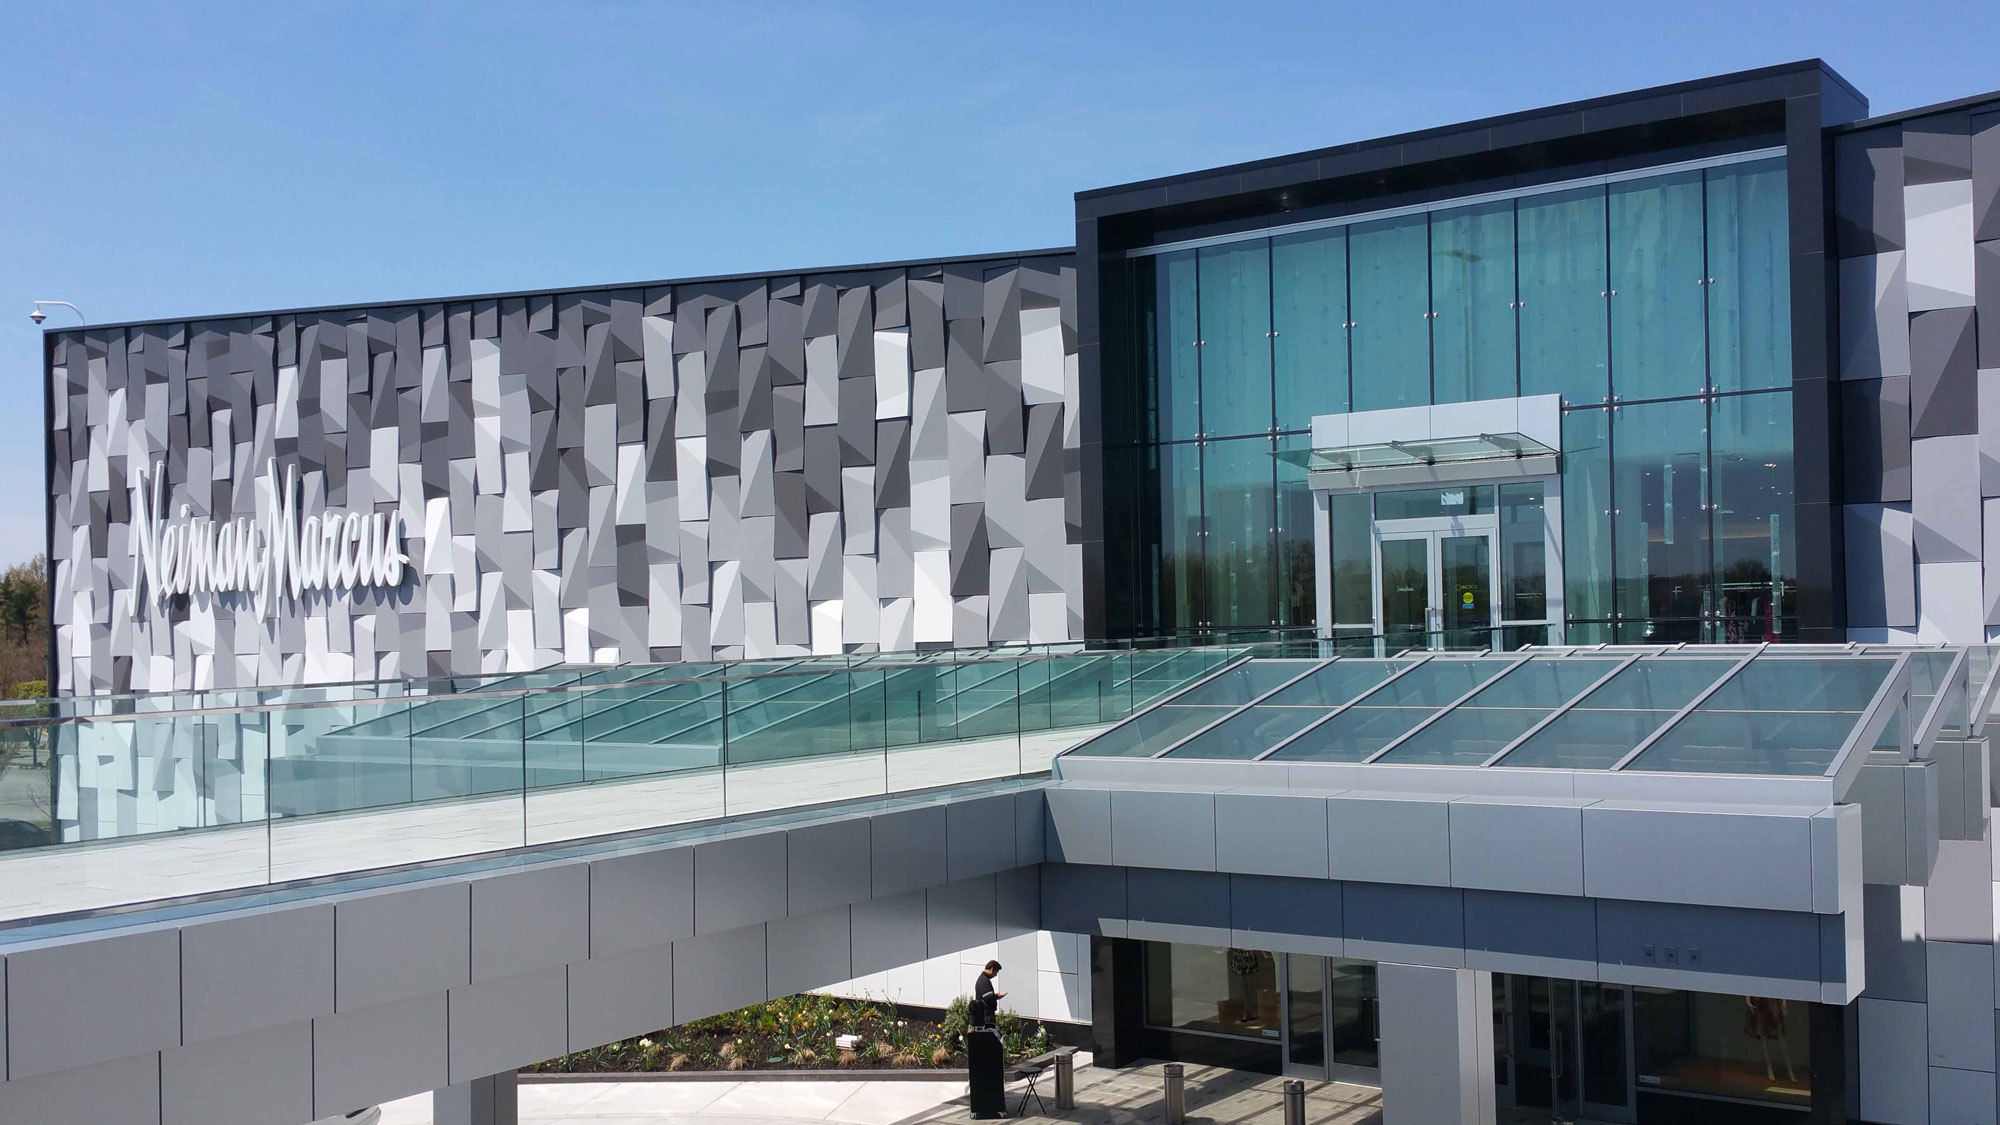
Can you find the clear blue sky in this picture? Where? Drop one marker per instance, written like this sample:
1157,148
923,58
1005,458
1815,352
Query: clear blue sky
180,159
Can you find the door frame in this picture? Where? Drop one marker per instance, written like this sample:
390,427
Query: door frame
1566,1047
1433,529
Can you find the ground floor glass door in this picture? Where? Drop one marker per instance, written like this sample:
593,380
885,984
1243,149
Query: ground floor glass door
1436,588
1564,1047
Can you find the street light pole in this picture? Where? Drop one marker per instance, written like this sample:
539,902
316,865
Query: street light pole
37,315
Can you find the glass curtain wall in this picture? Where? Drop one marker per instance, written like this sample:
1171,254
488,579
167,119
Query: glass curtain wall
1657,307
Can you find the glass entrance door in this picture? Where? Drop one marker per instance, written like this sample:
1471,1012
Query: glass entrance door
1435,587
1564,1047
1305,1016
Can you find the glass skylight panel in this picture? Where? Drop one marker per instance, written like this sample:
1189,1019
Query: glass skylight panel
1785,743
1772,683
1248,732
1236,686
1500,712
1657,683
1353,734
1436,682
1544,683
1149,732
1587,739
1336,683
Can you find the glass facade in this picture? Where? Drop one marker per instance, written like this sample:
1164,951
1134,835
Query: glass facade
1656,306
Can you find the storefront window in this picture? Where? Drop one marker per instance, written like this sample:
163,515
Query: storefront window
1236,339
1309,315
1219,991
1353,1018
1472,302
1747,1047
1657,348
1390,295
1563,295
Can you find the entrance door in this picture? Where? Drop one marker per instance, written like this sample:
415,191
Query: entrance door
1435,587
1564,1047
1305,1016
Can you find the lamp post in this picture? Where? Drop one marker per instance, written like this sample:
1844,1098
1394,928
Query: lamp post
37,314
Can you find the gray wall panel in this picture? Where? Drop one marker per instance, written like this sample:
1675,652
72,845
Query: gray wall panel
1894,943
961,915
809,951
251,1079
905,850
1082,899
256,971
826,865
1388,839
1163,829
400,944
889,933
1536,934
498,1025
1186,906
1078,826
529,920
1895,1085
1959,1013
980,836
738,880
1514,845
372,1055
1417,925
718,972
122,1092
1271,834
92,1001
1624,856
620,996
640,900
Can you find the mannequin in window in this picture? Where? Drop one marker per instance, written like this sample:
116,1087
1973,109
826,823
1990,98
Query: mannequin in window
1764,1020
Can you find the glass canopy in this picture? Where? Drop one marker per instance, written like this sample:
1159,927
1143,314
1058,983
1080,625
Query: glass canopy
1436,451
1798,711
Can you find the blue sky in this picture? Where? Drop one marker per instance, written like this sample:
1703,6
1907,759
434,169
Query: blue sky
181,159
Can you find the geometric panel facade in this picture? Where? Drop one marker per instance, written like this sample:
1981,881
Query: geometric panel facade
752,467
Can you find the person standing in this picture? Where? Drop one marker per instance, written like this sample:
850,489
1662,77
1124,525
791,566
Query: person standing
985,1000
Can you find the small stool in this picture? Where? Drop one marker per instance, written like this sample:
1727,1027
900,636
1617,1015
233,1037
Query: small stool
1030,1073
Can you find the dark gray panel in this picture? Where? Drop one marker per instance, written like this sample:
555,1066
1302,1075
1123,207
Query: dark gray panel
1531,925
1944,381
827,865
1713,939
1278,905
980,836
1937,149
1875,438
1868,192
970,561
1080,899
1392,914
1986,298
739,881
1177,898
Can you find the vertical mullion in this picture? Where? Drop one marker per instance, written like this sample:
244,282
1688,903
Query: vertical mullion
1708,422
1610,430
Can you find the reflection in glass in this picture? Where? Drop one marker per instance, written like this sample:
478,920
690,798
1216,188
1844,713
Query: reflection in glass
1771,683
1436,682
1466,570
1587,515
1661,682
1353,578
1236,339
1749,277
1751,476
1405,590
1744,1048
1176,359
1390,295
1657,342
1219,991
1472,300
1786,743
1293,542
1586,740
1661,532
1523,553
1305,1002
1562,294
1352,734
1309,315
1178,468
1353,1019
1464,736
1239,489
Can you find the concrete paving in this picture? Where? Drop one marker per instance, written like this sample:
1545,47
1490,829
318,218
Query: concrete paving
1103,1097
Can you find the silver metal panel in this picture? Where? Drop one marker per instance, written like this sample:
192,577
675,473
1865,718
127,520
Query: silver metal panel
809,951
1697,856
621,995
907,849
1893,933
1163,829
1271,834
1959,1014
1436,1044
371,1055
979,836
1509,844
640,900
256,971
250,1079
499,1025
960,916
1958,899
121,1092
1389,838
91,1001
530,920
401,944
738,880
1962,1095
1895,1083
1078,825
718,972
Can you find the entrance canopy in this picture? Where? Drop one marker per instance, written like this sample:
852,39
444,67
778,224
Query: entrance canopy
1359,466
1694,722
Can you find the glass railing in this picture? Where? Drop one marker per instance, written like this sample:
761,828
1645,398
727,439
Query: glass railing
106,806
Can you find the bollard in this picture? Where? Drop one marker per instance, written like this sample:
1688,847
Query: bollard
1295,1102
1176,1094
1066,1079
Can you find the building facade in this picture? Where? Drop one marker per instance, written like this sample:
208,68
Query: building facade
1715,363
